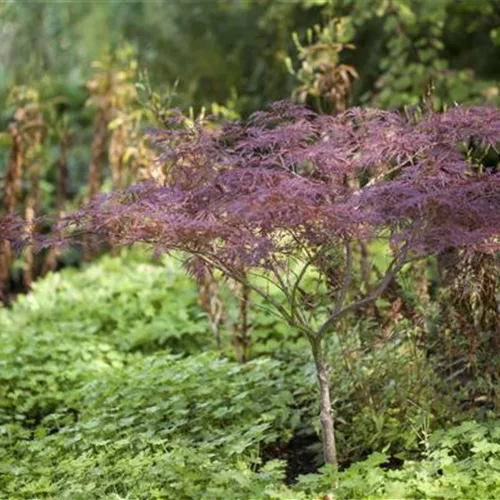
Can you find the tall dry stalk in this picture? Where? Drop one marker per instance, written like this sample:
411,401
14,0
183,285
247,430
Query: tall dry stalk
62,186
210,301
34,140
111,94
11,195
322,77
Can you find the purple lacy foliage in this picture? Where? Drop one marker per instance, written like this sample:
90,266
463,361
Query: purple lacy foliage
12,230
289,179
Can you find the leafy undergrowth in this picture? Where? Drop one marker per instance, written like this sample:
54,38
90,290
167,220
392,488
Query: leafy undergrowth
462,462
109,388
78,325
127,302
162,427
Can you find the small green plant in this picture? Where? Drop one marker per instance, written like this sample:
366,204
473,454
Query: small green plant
461,462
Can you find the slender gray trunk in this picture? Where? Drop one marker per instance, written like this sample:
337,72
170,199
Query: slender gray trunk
326,419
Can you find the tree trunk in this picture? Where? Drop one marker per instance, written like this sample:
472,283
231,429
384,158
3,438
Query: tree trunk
326,419
241,336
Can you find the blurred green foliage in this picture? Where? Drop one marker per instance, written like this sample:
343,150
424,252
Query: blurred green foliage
234,52
220,50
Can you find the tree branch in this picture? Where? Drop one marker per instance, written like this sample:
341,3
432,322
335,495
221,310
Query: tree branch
347,279
392,270
281,310
293,298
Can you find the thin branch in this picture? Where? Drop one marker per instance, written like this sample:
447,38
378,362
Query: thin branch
282,285
300,276
278,284
347,279
267,297
392,270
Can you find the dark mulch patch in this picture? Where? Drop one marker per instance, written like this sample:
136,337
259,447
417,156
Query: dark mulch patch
302,455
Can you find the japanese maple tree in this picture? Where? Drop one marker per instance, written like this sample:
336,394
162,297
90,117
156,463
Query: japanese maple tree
288,194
